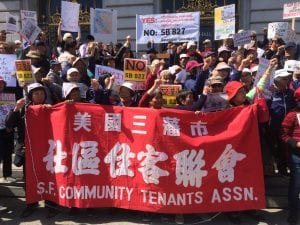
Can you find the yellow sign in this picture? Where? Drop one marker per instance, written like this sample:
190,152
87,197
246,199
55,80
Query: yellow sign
169,93
135,70
24,72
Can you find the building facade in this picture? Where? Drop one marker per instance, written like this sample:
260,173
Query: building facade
250,14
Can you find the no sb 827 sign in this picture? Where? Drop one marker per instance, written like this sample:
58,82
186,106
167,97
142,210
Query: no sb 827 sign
135,69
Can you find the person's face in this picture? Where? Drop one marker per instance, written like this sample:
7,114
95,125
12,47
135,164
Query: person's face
75,95
223,73
3,37
111,63
282,83
38,76
188,100
74,77
156,102
80,66
246,79
69,39
290,52
43,36
274,44
225,55
2,86
125,95
56,68
192,49
167,79
38,97
240,97
215,88
183,61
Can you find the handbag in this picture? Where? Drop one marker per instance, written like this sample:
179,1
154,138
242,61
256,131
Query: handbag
263,114
19,159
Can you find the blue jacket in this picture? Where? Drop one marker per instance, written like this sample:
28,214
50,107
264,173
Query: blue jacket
279,105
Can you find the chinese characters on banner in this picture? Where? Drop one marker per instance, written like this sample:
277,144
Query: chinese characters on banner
168,161
162,28
7,69
169,93
224,22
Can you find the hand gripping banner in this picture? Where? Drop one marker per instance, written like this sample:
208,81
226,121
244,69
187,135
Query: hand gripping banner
167,160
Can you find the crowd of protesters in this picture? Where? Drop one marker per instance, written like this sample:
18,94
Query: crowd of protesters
212,79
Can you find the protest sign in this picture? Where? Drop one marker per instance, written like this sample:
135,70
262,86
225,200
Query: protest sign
278,29
8,69
7,104
135,69
24,72
30,31
70,16
11,23
104,25
241,38
164,161
28,15
292,65
291,10
224,22
169,93
119,75
162,28
262,67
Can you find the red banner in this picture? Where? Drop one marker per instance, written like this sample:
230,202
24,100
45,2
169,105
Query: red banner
167,161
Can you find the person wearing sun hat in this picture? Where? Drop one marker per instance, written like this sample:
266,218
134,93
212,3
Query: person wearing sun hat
290,134
280,103
128,95
193,53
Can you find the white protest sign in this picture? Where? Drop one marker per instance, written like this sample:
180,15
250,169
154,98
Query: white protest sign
30,31
291,10
7,104
11,23
28,15
8,69
292,65
224,22
70,16
104,25
242,38
278,29
119,75
162,28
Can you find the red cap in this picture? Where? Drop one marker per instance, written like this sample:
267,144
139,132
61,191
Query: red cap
297,94
232,88
192,64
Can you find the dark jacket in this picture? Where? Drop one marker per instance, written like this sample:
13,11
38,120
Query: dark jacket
279,105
